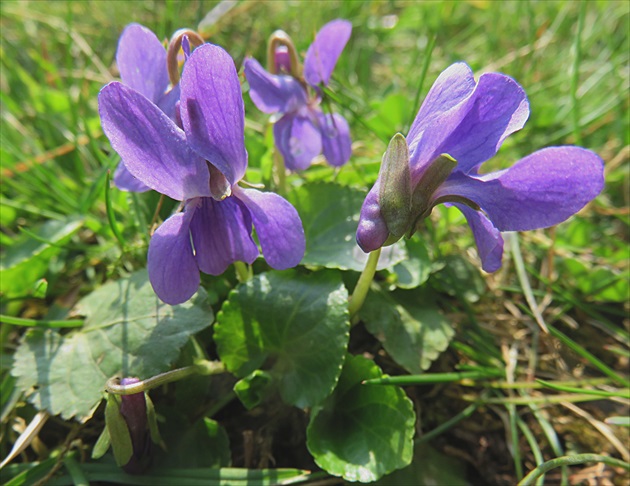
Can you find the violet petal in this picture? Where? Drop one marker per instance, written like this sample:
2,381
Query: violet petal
298,140
500,108
153,147
540,190
336,143
273,93
442,109
212,110
141,60
167,102
372,231
323,53
126,182
173,270
277,225
222,234
488,239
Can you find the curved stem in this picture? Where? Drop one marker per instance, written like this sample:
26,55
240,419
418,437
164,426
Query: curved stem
156,213
363,285
202,368
569,461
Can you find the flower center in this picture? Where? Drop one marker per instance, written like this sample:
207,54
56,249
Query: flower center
220,187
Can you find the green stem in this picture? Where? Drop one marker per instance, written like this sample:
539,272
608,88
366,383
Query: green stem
110,215
569,461
575,75
19,321
432,378
202,368
281,173
440,429
363,285
242,271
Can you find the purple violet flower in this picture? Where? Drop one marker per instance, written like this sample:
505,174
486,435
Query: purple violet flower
302,131
201,166
468,121
141,60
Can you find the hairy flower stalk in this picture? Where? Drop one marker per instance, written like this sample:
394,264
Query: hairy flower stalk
363,284
460,125
200,164
301,130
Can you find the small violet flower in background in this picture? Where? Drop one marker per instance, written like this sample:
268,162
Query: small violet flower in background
201,166
460,125
302,131
141,60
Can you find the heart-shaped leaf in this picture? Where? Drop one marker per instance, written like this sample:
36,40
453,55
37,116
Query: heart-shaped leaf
362,432
330,215
428,467
127,331
28,258
409,325
298,320
414,270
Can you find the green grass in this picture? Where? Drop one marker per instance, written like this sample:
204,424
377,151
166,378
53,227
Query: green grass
572,60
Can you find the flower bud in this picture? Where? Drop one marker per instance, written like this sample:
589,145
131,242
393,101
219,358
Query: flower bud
282,56
128,429
133,409
395,188
282,60
193,39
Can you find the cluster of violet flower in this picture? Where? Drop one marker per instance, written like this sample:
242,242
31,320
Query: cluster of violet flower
185,139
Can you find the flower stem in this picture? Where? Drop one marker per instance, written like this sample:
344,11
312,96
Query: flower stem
569,461
202,368
281,173
363,285
156,213
242,271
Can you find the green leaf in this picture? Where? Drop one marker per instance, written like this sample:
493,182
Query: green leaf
102,444
597,283
428,467
409,325
621,421
253,389
27,259
330,214
362,432
299,320
414,270
35,472
118,430
389,115
460,278
154,431
128,331
202,444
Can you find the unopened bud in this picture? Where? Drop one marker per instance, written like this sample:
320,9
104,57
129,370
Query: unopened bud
282,60
193,39
395,188
282,55
131,429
